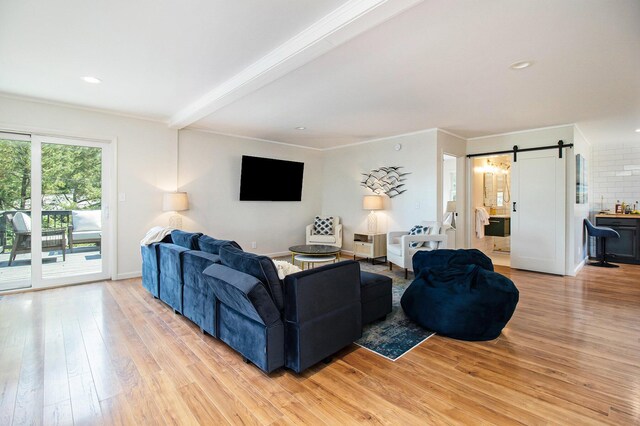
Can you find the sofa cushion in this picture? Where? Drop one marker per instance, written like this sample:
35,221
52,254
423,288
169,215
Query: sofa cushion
376,296
322,239
86,235
188,240
211,245
86,220
22,222
373,285
260,267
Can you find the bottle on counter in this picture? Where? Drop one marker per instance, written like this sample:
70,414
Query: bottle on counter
618,207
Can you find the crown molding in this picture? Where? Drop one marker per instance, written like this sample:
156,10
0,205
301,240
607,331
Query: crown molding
381,139
352,18
80,107
520,131
231,135
451,134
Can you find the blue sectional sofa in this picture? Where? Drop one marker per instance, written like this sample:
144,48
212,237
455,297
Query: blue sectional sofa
237,297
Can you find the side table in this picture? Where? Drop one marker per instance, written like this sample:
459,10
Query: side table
370,245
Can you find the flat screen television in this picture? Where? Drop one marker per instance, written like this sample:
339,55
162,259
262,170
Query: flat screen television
268,179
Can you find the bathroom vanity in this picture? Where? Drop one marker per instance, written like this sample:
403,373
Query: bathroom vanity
499,226
625,249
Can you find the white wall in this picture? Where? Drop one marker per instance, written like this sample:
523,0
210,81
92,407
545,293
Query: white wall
209,171
342,193
146,165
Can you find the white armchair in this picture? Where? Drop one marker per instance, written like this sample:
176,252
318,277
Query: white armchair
330,240
399,252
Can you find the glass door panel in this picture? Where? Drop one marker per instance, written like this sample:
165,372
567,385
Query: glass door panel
72,201
15,212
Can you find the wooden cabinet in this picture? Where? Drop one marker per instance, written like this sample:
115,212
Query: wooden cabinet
498,227
625,249
370,246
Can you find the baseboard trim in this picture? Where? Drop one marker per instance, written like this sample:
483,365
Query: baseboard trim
127,275
278,254
579,267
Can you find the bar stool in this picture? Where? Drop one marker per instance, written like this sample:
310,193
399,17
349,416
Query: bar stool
603,233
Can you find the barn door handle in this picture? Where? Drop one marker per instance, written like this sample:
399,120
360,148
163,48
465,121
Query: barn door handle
514,206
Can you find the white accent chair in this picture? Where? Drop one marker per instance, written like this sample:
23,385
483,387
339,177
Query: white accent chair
399,252
329,240
85,228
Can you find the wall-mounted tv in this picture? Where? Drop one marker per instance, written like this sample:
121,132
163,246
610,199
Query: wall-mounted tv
268,179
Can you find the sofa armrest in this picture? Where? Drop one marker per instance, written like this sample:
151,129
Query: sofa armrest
441,239
308,232
243,293
338,232
322,313
395,235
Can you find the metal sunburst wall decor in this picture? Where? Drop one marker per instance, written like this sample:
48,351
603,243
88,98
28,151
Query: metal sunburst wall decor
385,180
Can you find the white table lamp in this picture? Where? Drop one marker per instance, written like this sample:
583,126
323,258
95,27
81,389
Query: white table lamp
175,202
451,209
372,203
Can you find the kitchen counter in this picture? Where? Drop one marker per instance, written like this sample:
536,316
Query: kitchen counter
625,249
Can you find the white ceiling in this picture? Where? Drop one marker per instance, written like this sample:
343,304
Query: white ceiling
153,56
441,63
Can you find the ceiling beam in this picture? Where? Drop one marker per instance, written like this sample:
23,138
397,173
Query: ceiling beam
352,18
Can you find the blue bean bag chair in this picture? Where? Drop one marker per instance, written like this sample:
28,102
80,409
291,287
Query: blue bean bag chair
438,258
466,302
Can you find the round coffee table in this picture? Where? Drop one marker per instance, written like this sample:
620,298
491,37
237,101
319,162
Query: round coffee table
314,250
312,260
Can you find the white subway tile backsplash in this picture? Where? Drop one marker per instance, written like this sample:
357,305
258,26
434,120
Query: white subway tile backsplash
615,174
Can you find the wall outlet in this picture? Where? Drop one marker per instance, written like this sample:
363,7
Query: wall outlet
122,197
417,205
254,244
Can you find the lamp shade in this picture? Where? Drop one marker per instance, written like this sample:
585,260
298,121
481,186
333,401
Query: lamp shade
175,201
372,202
451,206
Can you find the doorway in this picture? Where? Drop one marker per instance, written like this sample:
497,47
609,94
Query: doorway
54,216
491,199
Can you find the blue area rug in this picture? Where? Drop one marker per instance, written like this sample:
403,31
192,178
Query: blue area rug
396,335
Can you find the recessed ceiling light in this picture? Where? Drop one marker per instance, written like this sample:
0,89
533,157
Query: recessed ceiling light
637,130
521,65
301,128
92,80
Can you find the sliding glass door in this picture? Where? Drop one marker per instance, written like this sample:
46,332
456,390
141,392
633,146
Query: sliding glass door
15,211
62,238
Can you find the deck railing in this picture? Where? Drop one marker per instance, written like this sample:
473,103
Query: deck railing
50,219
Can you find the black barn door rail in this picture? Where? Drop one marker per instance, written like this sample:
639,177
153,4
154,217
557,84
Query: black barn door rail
516,150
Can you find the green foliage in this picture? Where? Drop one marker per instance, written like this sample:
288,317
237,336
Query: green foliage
71,176
15,175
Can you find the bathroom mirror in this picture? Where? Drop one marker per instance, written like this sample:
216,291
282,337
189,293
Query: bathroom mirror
489,190
496,189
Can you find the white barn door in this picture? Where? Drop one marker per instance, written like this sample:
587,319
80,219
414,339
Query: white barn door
538,212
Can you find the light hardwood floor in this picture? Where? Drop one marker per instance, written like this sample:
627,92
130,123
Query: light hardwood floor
108,353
